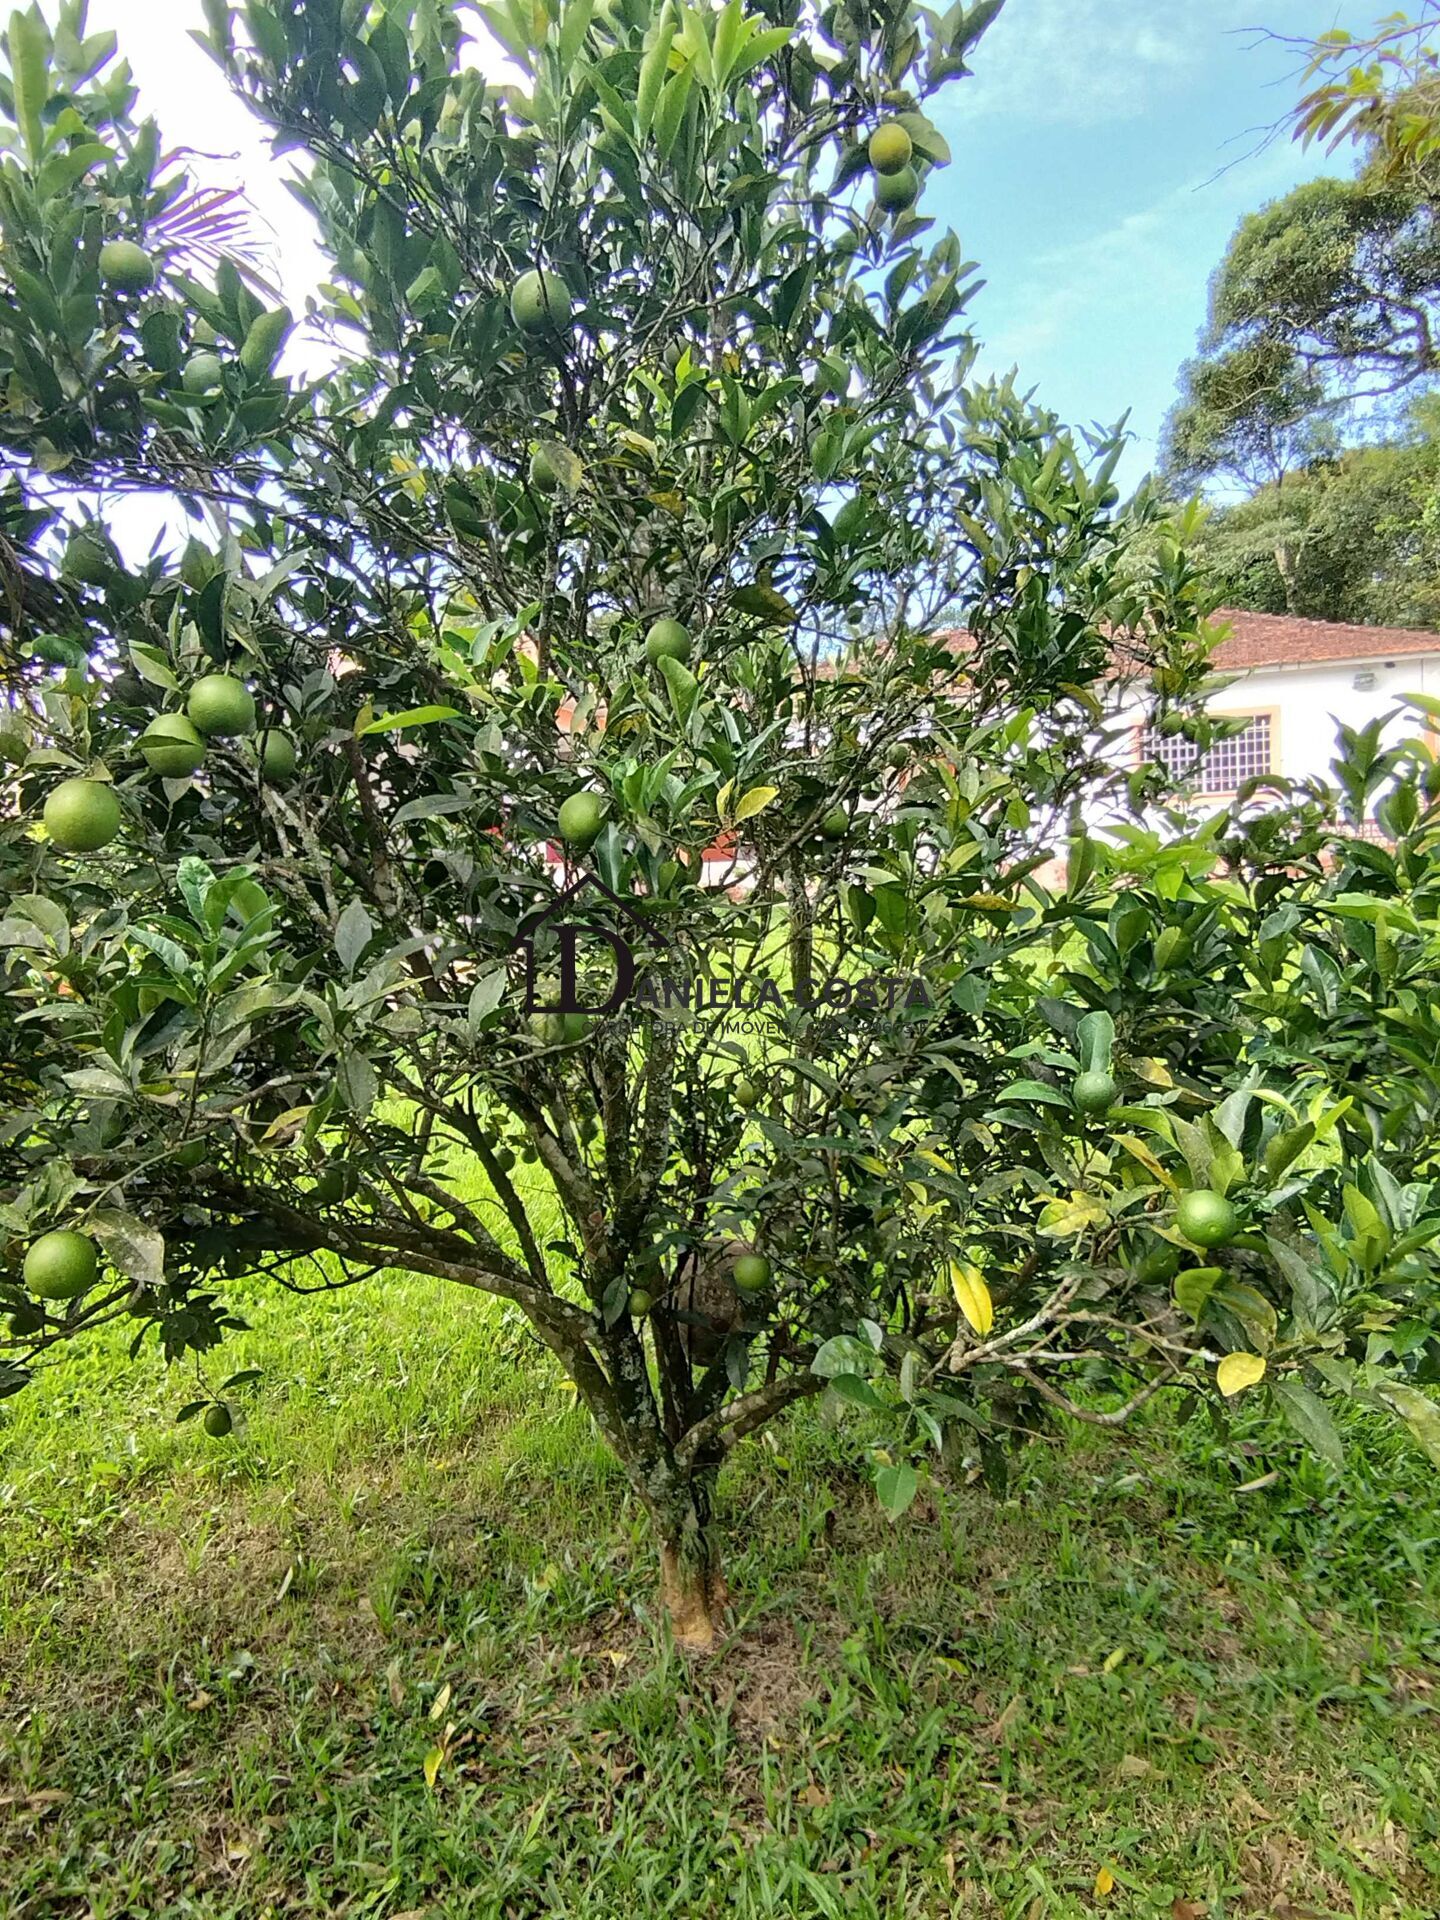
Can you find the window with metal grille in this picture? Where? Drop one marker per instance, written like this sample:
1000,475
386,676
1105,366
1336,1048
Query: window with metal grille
1220,768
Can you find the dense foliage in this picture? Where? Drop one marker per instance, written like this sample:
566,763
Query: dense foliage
622,525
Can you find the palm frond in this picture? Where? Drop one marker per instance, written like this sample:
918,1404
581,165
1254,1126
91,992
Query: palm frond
202,225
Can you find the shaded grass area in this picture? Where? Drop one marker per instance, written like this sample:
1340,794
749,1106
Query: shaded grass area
225,1668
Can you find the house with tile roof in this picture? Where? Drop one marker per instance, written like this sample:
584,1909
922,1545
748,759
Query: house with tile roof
1295,680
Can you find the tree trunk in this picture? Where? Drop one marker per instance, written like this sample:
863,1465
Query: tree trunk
691,1584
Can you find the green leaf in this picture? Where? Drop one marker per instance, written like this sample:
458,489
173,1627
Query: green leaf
769,40
843,1353
859,1393
136,1249
574,25
895,1488
353,933
357,1085
1310,1417
682,686
29,77
1033,1091
1194,1287
653,69
485,997
431,806
1095,1035
411,717
670,113
1419,1412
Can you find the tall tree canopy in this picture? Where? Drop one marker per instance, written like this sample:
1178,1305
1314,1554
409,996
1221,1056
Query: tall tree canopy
1325,299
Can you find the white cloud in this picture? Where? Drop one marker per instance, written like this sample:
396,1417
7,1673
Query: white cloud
1083,62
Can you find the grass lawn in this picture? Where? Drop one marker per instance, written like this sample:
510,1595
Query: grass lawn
225,1668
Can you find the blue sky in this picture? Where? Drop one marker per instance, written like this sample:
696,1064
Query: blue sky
1104,151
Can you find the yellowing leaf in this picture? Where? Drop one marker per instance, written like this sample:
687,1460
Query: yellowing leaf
1238,1371
434,1760
1112,1660
440,1702
755,801
1063,1219
1104,1882
972,1296
1138,1150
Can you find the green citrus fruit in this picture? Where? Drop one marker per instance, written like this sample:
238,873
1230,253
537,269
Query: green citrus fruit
26,1320
1094,1092
82,815
899,755
221,704
667,640
1159,1266
581,818
895,192
202,373
639,1303
565,1029
543,476
752,1272
1207,1219
171,747
126,267
745,1093
278,758
890,147
217,1421
335,1182
835,825
191,1153
61,1265
539,303
505,1158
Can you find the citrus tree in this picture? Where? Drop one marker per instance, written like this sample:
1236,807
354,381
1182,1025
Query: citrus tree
530,834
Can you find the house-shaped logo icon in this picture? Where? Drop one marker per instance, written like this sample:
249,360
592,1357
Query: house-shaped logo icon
567,939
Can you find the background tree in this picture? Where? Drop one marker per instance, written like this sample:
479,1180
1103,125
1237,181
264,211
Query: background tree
648,391
1352,537
1325,300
